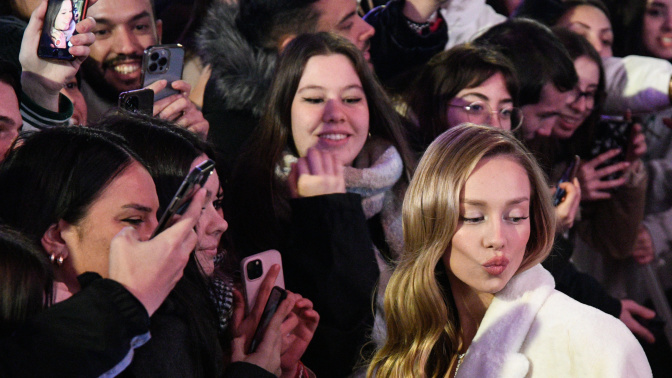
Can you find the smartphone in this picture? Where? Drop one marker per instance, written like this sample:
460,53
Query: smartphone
181,200
255,268
567,176
274,300
59,27
137,101
162,62
612,132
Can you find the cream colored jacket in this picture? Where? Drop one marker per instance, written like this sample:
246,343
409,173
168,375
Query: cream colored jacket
533,330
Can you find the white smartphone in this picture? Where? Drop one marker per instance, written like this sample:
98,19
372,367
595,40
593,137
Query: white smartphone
255,268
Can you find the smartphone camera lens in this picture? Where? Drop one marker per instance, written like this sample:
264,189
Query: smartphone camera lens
163,61
132,104
152,67
254,269
154,56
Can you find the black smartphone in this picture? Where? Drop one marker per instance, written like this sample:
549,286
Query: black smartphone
137,101
612,132
567,175
181,200
277,296
162,62
59,27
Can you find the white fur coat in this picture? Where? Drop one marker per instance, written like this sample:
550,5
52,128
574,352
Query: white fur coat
532,330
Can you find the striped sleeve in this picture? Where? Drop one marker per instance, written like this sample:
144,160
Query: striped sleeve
36,117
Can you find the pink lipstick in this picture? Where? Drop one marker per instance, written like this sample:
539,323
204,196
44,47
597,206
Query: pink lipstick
496,265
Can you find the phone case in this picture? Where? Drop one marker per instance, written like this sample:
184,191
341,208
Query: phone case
611,133
274,299
262,262
50,42
182,198
162,62
137,101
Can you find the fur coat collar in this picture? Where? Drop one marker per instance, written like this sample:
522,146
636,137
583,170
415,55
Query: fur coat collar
506,325
241,71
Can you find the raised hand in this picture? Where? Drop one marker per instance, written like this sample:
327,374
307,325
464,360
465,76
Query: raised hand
150,269
592,186
42,79
565,212
179,109
318,173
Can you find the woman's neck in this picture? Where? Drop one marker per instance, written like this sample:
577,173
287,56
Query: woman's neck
65,281
471,308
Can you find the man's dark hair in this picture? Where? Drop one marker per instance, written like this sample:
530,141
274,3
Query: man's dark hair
537,55
9,74
265,22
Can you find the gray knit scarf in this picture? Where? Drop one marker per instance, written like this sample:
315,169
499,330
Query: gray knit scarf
375,176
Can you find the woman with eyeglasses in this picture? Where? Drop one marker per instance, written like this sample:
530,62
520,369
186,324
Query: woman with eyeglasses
464,84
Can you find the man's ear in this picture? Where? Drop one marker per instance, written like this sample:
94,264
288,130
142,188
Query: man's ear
284,41
53,242
159,31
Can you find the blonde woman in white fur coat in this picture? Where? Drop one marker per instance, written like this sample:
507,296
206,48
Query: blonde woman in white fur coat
469,297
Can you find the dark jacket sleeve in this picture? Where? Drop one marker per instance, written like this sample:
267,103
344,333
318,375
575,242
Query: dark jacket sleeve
330,260
84,336
577,285
397,49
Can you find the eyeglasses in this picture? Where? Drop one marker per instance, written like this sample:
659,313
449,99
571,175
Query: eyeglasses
481,113
588,96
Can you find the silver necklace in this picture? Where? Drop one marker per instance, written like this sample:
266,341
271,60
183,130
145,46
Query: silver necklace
460,357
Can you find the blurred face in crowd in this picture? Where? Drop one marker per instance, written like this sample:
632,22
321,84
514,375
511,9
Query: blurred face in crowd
540,118
72,92
657,28
10,118
575,112
124,29
591,23
487,104
329,110
341,17
129,200
211,225
64,17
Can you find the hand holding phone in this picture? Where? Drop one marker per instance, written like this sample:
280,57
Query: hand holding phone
59,27
277,295
182,198
162,62
254,269
567,176
137,101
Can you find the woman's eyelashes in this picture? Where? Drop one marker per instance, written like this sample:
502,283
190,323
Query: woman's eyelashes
133,221
320,100
475,219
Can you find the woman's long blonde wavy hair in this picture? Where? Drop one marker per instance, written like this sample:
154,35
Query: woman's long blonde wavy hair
422,322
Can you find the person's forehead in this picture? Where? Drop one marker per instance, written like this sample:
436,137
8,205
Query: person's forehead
332,12
552,99
119,11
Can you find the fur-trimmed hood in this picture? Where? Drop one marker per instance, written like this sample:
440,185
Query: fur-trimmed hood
241,72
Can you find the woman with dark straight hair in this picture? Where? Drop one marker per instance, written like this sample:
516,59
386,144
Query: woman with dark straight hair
194,324
91,205
25,280
322,182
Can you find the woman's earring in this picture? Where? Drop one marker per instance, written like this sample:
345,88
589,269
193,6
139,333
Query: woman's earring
56,260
